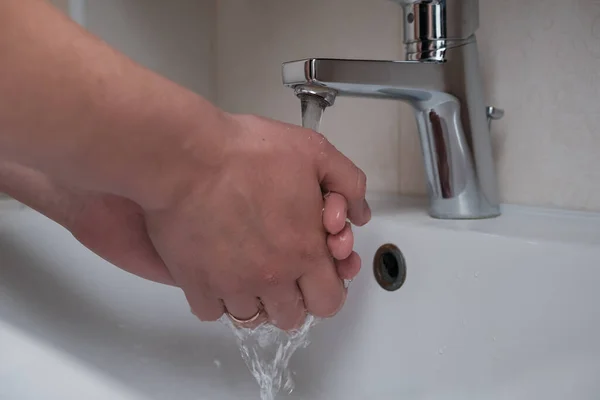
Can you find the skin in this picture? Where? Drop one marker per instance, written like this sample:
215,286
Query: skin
163,184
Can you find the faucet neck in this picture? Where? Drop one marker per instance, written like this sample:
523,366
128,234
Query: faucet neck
431,27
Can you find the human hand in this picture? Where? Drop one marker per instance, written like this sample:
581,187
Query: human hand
111,226
115,229
251,231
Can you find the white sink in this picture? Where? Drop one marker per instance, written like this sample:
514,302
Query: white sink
496,309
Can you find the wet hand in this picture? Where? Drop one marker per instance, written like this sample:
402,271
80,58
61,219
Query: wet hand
253,232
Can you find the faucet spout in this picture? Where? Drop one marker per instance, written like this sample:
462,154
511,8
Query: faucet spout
442,81
401,80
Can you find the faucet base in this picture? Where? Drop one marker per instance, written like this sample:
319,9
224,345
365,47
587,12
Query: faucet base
436,211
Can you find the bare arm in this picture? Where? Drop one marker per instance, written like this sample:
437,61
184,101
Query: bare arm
75,108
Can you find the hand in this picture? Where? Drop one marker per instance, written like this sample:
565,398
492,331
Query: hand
111,226
115,228
253,232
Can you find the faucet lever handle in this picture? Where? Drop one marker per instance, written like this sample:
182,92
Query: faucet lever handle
493,114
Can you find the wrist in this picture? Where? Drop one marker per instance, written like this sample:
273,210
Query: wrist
186,148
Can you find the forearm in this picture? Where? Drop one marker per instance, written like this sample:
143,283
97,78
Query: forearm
77,110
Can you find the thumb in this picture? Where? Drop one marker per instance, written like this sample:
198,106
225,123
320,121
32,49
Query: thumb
340,175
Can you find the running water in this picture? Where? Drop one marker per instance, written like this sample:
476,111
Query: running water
312,111
266,349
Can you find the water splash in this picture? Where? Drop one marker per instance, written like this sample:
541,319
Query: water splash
267,351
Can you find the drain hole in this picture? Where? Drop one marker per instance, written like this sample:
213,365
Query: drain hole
389,267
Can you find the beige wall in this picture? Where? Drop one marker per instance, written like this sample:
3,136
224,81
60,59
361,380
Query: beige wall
541,63
175,38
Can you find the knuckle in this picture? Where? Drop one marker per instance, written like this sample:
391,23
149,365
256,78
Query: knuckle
315,254
271,277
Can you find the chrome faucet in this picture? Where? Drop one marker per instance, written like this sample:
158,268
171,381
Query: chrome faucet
441,79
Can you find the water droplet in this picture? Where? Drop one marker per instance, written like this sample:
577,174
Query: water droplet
476,274
217,362
441,350
494,338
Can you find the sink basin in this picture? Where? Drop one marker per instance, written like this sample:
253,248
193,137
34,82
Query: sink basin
494,309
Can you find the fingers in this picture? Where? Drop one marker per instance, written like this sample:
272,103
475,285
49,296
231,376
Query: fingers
335,213
322,290
349,268
340,245
285,307
340,239
204,307
338,174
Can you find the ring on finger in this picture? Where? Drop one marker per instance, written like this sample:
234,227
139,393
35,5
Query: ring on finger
247,321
